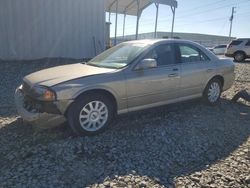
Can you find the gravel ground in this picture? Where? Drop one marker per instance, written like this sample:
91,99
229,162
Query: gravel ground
182,145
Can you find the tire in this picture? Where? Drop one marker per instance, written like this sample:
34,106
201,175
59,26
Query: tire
90,114
212,92
239,56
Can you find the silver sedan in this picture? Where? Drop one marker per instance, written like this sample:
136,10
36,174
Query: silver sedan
131,76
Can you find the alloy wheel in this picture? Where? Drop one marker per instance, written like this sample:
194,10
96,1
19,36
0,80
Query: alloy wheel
214,92
93,116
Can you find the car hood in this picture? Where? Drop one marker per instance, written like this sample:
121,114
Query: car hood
59,74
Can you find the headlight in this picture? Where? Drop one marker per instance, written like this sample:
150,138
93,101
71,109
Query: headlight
43,93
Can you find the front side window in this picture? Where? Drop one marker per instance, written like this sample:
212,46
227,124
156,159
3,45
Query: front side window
164,54
119,56
190,54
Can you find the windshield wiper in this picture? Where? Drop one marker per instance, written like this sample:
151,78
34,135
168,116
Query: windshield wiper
94,65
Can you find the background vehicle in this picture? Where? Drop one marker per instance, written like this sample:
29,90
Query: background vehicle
211,49
220,49
131,76
239,49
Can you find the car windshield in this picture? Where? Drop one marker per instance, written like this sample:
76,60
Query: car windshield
119,56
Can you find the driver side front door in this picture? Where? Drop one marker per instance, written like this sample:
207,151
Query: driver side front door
154,86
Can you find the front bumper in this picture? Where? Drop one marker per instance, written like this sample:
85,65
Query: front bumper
42,120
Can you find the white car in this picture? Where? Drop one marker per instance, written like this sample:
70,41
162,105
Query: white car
220,49
239,49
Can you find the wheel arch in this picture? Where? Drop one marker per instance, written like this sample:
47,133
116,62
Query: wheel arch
239,51
219,77
93,91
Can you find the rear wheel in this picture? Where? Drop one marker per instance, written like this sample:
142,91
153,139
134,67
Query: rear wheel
212,92
239,56
90,115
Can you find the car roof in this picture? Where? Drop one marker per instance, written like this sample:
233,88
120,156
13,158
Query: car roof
163,41
145,41
154,41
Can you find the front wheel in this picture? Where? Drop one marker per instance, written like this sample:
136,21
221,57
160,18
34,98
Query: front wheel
212,92
90,114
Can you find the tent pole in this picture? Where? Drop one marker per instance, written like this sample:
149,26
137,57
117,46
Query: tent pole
109,16
124,21
138,17
156,18
116,9
172,30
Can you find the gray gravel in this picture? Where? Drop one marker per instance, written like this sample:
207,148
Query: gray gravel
181,145
11,74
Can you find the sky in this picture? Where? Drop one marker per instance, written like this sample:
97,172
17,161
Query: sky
192,16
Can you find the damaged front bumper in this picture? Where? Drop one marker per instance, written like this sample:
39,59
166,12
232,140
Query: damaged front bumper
34,116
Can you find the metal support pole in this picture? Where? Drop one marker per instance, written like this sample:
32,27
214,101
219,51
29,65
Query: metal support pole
156,18
138,17
110,6
116,9
124,21
231,21
109,16
172,30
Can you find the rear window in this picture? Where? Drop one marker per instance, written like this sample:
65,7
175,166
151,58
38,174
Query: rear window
236,42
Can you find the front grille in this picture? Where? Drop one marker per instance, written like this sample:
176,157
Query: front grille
28,103
26,87
35,106
31,105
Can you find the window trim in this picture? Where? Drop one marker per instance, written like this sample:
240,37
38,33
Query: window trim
195,48
162,66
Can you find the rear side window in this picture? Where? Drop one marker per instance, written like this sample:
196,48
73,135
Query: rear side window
190,54
221,46
248,43
236,42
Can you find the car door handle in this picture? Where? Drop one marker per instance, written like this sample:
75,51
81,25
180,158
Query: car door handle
175,69
173,75
210,70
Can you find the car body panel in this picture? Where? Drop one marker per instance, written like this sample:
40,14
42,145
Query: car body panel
225,68
150,86
194,74
63,73
112,83
194,77
132,89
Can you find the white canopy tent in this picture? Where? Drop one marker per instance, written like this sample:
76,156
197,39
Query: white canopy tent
135,8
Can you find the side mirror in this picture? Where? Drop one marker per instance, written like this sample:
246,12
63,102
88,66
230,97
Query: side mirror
146,64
